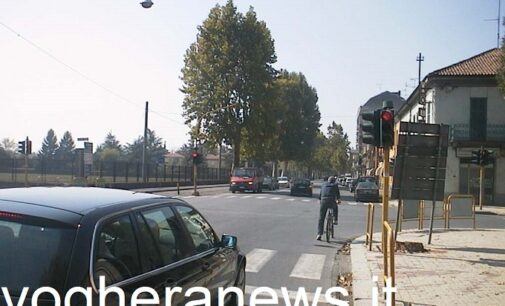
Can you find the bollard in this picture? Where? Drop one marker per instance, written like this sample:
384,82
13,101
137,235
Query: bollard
178,190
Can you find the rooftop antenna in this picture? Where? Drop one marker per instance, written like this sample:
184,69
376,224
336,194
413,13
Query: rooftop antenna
497,24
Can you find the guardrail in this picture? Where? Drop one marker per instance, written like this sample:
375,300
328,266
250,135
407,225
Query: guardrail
369,226
389,257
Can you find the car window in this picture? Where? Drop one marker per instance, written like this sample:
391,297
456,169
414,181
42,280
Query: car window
161,237
33,252
116,256
201,232
367,185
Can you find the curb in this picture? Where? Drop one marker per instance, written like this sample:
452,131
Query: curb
361,274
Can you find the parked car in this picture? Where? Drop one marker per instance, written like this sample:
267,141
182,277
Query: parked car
270,183
283,182
65,237
243,179
301,187
352,185
367,192
362,179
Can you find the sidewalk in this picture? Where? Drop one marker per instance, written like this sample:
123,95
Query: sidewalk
462,267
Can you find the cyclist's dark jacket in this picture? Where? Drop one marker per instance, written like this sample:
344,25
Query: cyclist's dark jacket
329,192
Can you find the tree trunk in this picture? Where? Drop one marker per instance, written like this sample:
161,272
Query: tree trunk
236,153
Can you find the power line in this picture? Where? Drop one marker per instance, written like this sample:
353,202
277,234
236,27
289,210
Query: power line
81,74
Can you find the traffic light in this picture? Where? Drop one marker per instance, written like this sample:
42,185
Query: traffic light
197,157
387,128
476,157
486,157
22,147
29,147
371,127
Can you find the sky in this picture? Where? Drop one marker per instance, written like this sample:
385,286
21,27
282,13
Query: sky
88,67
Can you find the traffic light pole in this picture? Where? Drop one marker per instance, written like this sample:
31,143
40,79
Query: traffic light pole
26,162
195,172
481,187
385,195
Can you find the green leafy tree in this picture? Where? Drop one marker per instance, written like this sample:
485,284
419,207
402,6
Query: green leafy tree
110,150
299,118
155,149
49,146
66,147
226,76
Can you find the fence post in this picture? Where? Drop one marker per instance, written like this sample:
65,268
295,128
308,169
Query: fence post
114,164
126,171
156,173
138,170
164,172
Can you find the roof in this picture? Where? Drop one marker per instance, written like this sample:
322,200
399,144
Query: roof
71,199
376,102
484,64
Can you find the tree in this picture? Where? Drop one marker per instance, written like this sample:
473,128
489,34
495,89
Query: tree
155,149
339,144
299,118
226,76
65,150
110,149
49,146
9,146
500,74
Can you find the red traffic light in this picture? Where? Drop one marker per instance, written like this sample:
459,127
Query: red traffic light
194,154
387,116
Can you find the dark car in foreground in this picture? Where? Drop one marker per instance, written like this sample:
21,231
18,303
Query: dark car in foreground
301,187
65,237
367,192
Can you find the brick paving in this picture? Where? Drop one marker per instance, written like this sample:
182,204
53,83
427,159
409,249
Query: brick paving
462,267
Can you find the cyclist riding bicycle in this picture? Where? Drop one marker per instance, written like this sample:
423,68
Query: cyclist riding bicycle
330,197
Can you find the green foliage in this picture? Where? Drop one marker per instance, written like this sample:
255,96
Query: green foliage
65,150
298,116
226,76
110,149
155,150
49,146
500,74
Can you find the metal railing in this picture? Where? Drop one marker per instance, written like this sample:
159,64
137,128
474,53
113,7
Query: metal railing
63,172
369,226
461,132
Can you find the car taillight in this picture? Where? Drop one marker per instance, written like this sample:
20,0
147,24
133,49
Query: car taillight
8,215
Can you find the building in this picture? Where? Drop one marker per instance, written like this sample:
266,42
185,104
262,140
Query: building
465,96
367,156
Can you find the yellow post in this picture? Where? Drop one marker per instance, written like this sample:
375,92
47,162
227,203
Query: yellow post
481,189
385,195
195,192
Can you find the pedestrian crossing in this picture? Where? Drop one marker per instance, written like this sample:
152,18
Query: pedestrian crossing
267,197
308,266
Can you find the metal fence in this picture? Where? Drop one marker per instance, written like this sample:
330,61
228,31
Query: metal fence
56,172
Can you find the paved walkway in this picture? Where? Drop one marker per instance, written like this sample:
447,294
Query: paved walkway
462,267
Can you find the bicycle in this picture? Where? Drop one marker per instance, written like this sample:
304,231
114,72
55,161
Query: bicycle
330,227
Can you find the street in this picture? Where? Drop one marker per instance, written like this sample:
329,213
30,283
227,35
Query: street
277,233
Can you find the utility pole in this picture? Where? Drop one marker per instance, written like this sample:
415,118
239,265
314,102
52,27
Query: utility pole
26,160
420,58
144,146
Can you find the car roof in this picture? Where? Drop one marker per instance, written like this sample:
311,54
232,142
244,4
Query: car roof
73,199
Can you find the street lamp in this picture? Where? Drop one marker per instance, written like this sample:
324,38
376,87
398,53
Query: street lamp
146,4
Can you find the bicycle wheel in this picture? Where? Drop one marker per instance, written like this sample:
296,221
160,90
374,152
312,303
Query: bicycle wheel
329,223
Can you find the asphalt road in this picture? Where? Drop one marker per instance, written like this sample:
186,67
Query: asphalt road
277,233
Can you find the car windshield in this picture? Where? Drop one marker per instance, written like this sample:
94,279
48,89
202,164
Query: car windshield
367,185
244,172
283,178
33,253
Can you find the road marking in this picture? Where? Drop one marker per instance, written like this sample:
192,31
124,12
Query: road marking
309,266
245,197
352,203
257,258
231,197
188,197
306,200
291,200
291,294
260,197
275,199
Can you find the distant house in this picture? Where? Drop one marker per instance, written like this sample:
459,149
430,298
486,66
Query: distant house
175,159
367,157
465,97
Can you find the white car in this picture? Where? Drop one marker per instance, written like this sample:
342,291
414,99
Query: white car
283,181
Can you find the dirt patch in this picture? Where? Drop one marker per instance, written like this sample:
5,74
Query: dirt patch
410,247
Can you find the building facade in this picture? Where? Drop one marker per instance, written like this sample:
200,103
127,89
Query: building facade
465,96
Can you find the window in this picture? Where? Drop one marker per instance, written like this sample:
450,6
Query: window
161,237
201,233
478,119
116,252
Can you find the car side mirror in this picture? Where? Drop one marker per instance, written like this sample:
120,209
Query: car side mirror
229,241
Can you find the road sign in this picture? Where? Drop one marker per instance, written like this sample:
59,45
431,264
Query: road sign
419,172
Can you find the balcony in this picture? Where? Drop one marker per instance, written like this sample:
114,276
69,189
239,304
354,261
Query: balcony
494,135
